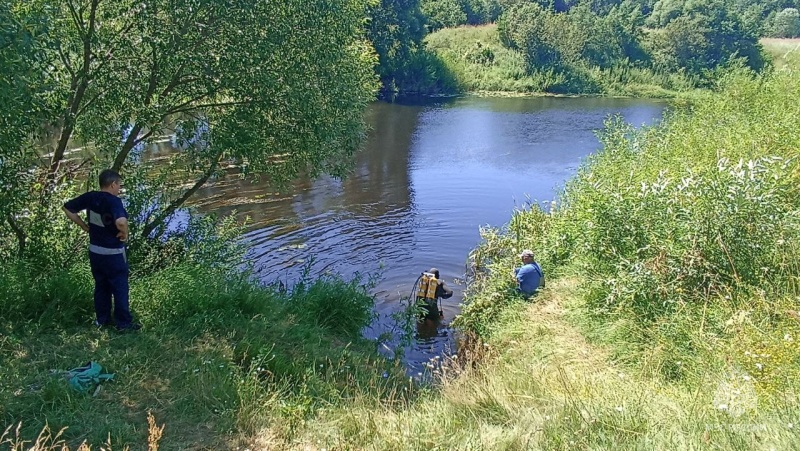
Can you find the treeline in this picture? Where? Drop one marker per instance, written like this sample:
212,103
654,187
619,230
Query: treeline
561,41
773,18
709,35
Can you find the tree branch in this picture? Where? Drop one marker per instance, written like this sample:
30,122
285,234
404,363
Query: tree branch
77,18
182,107
87,105
131,142
66,62
187,108
21,236
76,96
175,204
113,47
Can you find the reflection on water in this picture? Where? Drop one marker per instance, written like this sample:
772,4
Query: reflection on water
429,177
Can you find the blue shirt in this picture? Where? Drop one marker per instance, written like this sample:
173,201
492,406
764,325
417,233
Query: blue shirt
529,277
103,210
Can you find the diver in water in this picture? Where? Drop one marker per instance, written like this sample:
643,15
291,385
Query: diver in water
431,290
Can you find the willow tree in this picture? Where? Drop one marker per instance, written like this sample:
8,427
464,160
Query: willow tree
276,87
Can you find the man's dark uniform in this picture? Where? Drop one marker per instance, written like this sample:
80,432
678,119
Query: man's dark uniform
106,255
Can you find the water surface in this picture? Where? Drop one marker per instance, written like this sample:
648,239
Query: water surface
430,176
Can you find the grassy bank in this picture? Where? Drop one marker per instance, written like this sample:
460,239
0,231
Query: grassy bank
784,52
481,64
543,385
218,362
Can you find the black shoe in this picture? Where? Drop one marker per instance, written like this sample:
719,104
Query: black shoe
132,327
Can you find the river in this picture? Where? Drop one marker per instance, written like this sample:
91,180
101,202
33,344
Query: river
430,176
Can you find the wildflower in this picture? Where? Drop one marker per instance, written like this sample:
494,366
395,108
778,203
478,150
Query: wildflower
790,425
787,337
619,409
722,407
759,366
621,375
746,377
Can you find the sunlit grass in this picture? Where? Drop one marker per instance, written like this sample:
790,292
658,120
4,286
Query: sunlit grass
541,385
784,51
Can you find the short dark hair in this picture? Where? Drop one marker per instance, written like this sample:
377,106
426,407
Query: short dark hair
107,177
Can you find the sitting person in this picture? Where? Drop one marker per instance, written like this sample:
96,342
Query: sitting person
529,276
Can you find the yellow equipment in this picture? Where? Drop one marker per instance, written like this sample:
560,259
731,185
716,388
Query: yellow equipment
426,296
427,287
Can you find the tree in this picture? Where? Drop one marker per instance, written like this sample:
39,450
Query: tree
22,113
395,28
786,24
708,36
546,39
443,14
277,88
664,12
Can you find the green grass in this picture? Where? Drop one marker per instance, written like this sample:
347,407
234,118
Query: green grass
218,360
785,52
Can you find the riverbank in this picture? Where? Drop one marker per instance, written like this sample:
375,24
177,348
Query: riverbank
542,384
479,62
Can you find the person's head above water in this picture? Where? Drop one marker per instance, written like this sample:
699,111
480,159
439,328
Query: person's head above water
435,272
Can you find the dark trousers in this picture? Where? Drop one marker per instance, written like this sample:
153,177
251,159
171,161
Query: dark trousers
110,274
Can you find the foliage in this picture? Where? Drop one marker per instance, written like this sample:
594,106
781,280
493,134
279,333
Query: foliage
333,304
273,100
786,24
395,28
479,62
709,35
443,14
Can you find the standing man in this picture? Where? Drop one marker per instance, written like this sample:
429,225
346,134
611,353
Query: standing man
529,276
108,232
